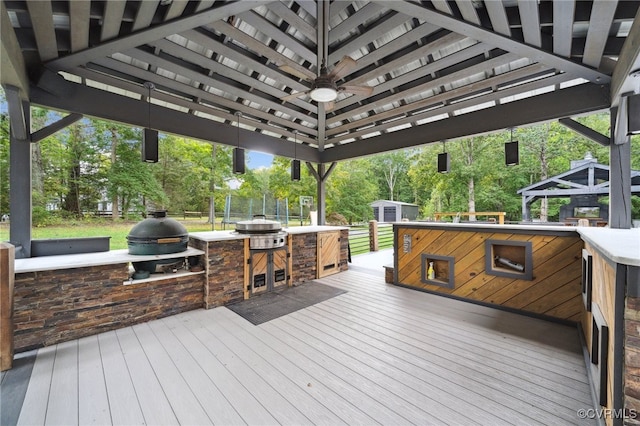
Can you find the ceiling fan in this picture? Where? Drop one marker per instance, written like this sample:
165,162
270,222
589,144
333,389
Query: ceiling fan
324,87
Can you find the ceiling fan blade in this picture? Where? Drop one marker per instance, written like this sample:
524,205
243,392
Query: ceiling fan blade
329,106
293,96
307,75
342,68
357,90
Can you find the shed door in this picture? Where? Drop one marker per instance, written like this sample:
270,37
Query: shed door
376,213
389,214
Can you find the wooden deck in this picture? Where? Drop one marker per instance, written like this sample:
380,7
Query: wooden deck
378,354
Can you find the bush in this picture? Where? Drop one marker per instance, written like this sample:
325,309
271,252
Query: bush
336,219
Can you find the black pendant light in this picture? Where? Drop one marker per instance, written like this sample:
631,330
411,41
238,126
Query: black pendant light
295,163
511,152
238,153
443,160
149,136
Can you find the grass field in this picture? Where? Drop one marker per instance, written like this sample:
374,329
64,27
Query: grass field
359,238
117,231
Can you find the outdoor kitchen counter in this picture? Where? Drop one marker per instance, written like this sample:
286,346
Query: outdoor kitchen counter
529,268
619,245
113,257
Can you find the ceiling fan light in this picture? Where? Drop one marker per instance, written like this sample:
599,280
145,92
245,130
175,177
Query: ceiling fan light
323,94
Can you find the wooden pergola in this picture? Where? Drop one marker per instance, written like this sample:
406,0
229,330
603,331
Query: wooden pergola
436,71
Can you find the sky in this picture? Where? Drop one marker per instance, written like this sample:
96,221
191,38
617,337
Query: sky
257,160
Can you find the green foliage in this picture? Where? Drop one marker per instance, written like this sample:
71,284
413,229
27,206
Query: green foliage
351,189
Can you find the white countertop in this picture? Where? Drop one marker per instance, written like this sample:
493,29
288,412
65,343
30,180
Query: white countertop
620,245
313,228
491,226
68,261
217,235
233,235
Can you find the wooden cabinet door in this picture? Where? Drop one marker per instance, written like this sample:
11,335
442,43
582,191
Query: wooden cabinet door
328,253
259,272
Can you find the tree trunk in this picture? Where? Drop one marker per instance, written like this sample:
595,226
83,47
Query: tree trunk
472,200
115,207
72,198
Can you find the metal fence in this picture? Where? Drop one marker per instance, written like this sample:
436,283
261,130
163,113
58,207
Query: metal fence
360,238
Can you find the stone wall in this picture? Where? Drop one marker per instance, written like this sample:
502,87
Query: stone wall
226,273
55,306
344,250
304,257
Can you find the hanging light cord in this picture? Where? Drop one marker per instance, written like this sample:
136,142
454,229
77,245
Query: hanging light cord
149,87
238,114
295,144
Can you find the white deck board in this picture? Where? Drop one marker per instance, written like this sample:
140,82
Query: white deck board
149,391
186,407
63,395
295,393
325,387
249,408
214,402
123,401
378,354
34,408
93,402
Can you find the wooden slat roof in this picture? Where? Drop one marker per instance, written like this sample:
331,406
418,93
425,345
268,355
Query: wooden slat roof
429,63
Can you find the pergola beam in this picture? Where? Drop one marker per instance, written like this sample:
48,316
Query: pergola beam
585,131
572,101
108,106
52,128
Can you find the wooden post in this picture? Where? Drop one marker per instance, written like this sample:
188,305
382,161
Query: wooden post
373,235
7,256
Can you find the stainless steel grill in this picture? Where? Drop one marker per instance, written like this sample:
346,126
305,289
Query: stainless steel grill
263,233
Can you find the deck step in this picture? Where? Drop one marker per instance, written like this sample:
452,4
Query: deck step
388,274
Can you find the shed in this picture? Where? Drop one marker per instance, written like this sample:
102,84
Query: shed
393,211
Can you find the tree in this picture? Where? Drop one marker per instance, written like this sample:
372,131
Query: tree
351,189
391,169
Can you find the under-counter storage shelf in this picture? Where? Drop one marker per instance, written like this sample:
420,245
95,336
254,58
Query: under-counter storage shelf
442,270
161,277
505,258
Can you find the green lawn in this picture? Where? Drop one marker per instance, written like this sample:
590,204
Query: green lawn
117,231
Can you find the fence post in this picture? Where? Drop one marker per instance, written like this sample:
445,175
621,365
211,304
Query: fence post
7,256
373,235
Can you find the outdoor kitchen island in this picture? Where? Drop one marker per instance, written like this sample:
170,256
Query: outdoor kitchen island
234,271
526,268
65,297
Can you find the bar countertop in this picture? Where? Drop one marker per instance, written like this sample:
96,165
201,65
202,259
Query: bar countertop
620,245
68,261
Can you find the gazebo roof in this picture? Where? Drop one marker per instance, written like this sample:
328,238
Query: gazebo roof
438,69
587,177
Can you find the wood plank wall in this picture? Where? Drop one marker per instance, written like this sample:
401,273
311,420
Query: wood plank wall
555,290
7,256
603,295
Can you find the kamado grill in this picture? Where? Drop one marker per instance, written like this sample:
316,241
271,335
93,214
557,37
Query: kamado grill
157,235
263,233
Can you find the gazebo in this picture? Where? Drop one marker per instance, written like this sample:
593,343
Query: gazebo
319,81
584,183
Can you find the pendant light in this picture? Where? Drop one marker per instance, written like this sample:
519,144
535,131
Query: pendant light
511,152
150,136
443,160
238,153
295,163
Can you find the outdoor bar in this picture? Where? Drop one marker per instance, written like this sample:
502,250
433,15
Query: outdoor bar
503,322
64,297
